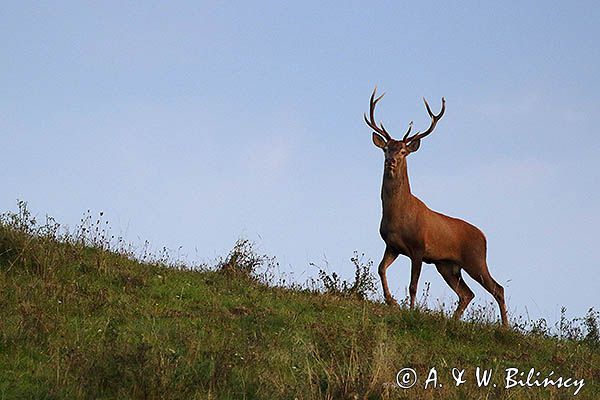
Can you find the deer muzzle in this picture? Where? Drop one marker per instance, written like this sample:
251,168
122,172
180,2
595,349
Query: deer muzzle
390,164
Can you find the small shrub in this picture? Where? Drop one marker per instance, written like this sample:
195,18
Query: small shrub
244,260
363,285
568,329
539,327
591,322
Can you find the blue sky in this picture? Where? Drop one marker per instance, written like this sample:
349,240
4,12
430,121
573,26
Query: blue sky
194,123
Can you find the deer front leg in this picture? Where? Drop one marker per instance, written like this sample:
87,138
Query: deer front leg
415,272
388,258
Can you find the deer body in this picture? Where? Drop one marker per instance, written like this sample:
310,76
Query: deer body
410,228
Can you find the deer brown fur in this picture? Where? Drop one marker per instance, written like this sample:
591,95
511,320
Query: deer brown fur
410,228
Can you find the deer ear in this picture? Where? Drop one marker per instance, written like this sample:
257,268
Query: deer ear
414,145
379,141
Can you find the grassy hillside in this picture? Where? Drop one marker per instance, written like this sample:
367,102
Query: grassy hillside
81,318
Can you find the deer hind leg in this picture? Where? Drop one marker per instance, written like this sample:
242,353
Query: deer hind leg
451,274
388,258
482,275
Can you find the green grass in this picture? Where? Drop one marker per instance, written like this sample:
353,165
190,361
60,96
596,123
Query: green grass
78,320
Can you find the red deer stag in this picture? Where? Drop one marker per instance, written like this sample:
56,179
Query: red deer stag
410,228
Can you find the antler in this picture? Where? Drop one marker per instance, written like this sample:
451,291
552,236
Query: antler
408,131
434,121
372,124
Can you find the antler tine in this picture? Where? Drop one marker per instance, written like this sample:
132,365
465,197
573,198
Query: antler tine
434,120
410,125
371,123
431,114
384,130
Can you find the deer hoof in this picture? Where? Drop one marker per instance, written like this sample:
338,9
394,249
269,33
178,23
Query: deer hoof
390,301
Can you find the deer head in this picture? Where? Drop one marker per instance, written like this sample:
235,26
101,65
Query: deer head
397,150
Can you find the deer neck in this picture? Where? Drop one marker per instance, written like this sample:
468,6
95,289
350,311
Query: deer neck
395,191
